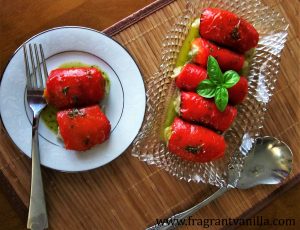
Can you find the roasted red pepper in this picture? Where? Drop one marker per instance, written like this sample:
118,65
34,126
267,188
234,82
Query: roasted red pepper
227,59
83,128
75,87
194,142
238,92
195,108
190,76
227,29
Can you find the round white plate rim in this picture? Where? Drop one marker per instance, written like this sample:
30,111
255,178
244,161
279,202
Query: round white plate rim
141,99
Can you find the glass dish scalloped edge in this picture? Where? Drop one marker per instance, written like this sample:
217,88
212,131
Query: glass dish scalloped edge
262,77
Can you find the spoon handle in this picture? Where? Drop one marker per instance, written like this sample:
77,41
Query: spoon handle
177,219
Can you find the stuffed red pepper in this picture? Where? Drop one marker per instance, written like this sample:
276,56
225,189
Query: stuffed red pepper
189,77
195,108
238,92
75,87
194,142
227,29
227,59
83,128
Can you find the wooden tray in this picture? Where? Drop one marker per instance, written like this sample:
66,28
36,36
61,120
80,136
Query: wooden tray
127,193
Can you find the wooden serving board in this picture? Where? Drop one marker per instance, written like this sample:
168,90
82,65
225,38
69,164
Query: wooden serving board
127,193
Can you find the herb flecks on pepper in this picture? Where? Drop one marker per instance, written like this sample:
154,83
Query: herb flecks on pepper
217,84
65,90
75,113
194,149
235,33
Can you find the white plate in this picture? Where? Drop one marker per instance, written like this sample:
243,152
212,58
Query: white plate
125,105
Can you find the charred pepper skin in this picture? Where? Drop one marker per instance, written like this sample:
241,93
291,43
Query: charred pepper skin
74,87
195,143
238,92
227,29
195,108
190,76
83,128
227,59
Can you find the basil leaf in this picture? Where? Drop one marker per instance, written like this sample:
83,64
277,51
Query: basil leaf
214,71
206,88
221,98
230,78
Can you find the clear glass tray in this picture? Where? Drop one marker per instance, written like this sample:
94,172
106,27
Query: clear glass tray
263,74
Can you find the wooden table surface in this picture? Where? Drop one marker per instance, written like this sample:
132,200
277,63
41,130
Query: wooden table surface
21,19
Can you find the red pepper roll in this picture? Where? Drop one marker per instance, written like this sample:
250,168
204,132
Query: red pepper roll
227,59
83,128
195,143
190,76
238,92
227,29
75,87
195,108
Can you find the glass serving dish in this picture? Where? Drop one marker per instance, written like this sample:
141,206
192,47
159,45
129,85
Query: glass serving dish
262,77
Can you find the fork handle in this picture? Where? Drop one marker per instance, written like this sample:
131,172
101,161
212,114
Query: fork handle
37,215
178,219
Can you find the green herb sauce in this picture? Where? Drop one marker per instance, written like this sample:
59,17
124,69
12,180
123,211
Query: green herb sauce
183,56
182,59
248,59
173,110
48,115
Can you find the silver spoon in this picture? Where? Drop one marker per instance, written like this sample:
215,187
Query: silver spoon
270,162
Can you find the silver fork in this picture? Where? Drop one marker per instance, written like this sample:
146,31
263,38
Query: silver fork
36,81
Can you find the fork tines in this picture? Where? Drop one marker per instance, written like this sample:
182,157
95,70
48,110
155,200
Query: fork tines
36,77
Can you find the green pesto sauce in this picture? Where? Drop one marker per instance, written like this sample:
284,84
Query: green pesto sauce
170,116
248,59
73,64
172,111
182,59
48,115
183,56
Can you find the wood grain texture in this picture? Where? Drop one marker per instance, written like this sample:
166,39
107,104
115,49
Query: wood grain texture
128,194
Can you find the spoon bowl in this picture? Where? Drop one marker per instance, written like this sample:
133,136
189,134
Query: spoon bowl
270,162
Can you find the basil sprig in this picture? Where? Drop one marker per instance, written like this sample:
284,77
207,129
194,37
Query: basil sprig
217,83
